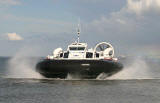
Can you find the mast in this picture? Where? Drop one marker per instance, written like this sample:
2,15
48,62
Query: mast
78,31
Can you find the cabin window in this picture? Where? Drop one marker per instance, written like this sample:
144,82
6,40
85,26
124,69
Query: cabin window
81,48
76,48
73,48
89,55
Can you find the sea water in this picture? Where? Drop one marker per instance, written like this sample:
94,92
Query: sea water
138,82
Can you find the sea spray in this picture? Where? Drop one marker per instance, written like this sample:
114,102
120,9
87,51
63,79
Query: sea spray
102,76
69,77
138,69
22,66
73,77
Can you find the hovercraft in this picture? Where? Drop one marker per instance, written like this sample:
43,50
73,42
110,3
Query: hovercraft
80,61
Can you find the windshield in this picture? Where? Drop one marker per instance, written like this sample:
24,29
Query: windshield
76,48
81,48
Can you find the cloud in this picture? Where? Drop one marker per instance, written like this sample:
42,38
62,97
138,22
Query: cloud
14,36
125,20
92,1
133,26
9,2
140,6
128,25
39,24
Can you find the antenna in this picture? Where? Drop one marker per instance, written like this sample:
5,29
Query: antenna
78,30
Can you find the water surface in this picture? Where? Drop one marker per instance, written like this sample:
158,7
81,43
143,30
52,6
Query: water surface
117,89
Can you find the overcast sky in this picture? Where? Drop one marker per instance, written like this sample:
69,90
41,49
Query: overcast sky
36,27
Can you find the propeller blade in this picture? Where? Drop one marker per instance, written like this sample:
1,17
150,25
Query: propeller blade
101,48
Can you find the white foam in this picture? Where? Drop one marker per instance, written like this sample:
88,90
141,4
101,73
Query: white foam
21,66
137,70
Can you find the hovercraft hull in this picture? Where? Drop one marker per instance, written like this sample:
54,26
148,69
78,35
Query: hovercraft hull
88,69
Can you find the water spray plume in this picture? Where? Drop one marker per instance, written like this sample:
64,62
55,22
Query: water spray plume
136,70
21,66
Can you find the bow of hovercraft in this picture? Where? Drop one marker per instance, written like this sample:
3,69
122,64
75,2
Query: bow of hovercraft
80,61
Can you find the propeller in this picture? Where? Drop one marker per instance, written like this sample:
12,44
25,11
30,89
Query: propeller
102,47
105,48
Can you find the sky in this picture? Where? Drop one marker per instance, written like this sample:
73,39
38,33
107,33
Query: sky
37,27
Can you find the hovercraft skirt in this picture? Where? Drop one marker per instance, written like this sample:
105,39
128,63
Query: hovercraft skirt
57,68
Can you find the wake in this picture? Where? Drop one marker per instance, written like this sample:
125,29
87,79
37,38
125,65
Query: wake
138,69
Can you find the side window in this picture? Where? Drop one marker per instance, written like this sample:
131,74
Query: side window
66,55
61,55
97,55
89,55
